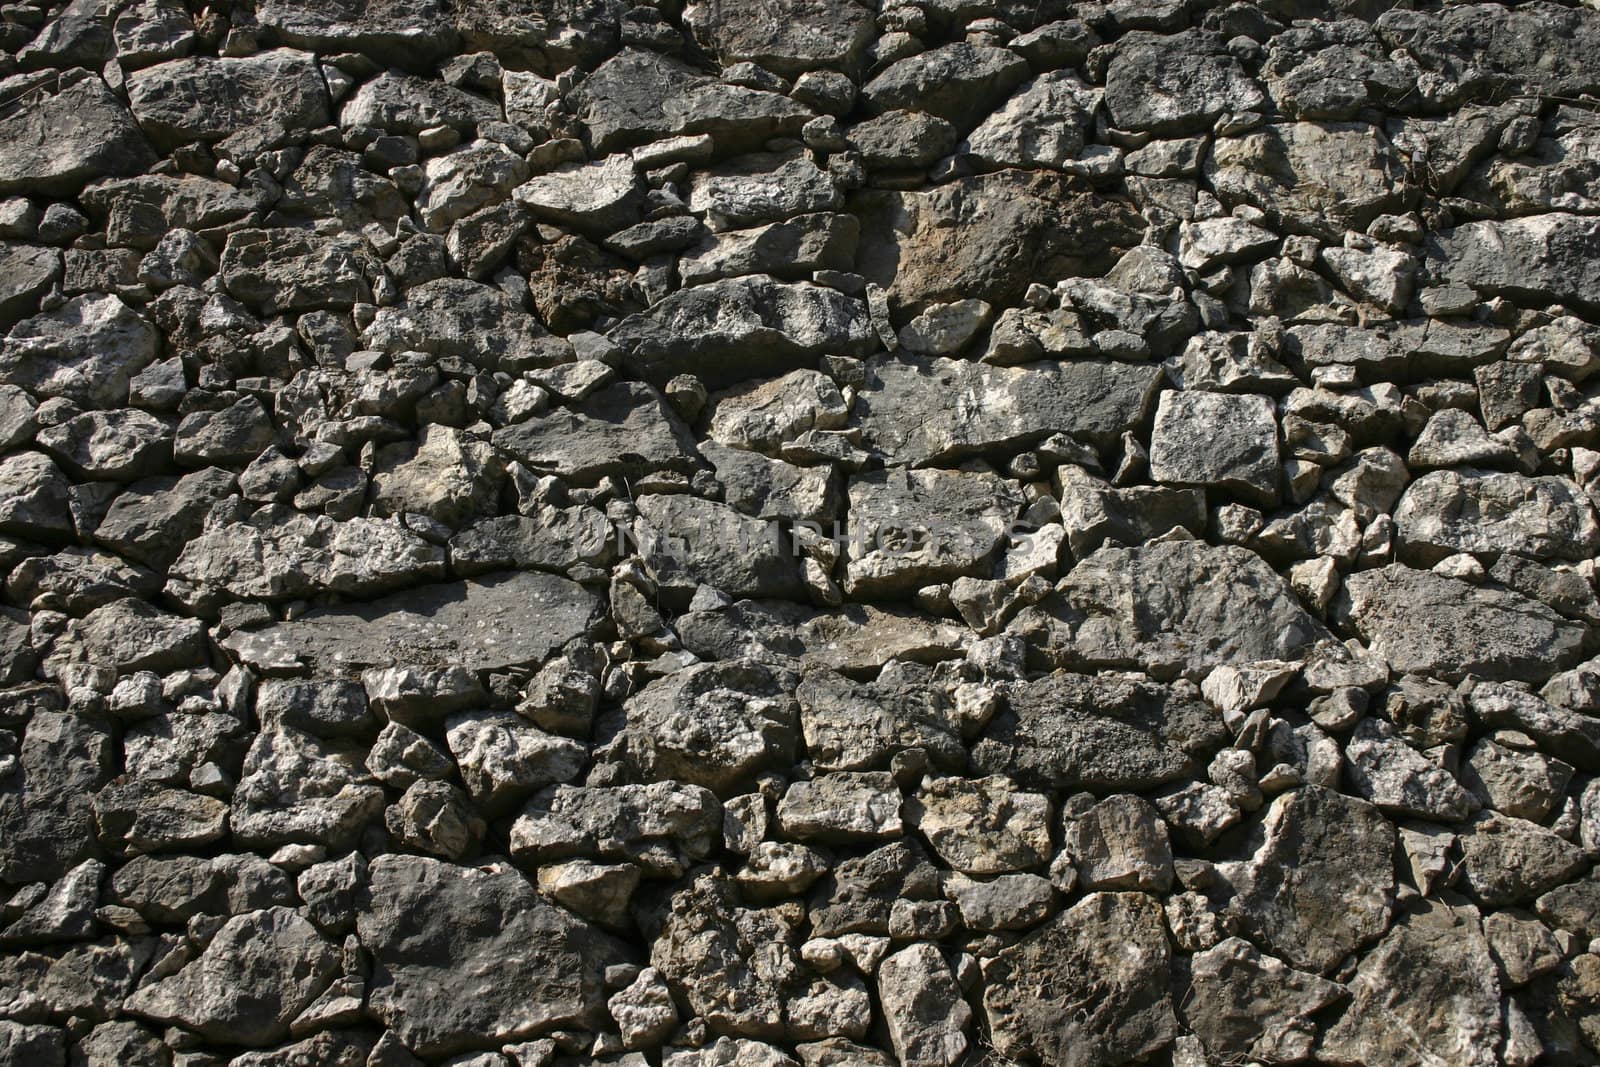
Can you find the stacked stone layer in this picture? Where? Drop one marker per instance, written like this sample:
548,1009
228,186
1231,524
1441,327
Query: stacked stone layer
799,534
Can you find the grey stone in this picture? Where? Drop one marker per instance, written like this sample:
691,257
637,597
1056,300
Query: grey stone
686,541
1042,125
859,726
663,825
982,826
1511,861
1423,622
598,197
206,99
1222,440
1253,1005
1119,843
255,976
790,250
624,429
1171,605
740,328
519,966
819,33
923,1007
87,350
403,103
289,270
904,410
478,323
1400,780
957,82
1106,732
37,505
61,140
298,789
639,96
760,188
909,529
1547,258
1471,511
1088,988
488,623
1317,178
1318,881
1432,949
1176,84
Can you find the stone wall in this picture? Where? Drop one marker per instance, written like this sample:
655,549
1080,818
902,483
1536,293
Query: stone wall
779,533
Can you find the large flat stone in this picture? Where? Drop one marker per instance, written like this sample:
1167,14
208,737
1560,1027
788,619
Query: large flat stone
485,624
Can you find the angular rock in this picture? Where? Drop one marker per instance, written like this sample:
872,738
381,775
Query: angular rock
1120,843
59,141
1102,732
489,623
1252,1005
818,33
661,825
403,103
957,82
924,1009
478,323
909,529
1400,780
503,758
1171,605
1229,441
288,270
640,96
87,350
299,789
982,826
1453,1015
206,99
255,976
1176,84
1471,511
1317,178
842,808
518,967
686,541
1428,624
859,726
599,197
905,409
740,328
1319,881
1089,988
761,187
1511,861
623,430
1042,125
1547,258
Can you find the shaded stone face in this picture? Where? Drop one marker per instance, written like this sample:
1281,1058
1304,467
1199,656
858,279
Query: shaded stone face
799,533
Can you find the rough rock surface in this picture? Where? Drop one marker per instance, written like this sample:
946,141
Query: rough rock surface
799,533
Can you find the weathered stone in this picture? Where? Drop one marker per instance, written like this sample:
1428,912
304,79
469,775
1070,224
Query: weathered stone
1400,780
1469,511
1089,988
818,33
1105,732
1452,1014
1176,84
403,103
140,817
1249,1004
912,528
255,976
982,826
790,250
924,1009
206,99
598,197
1317,178
1229,441
1511,861
503,758
519,967
1318,882
87,350
957,82
289,270
715,725
988,237
640,96
402,32
860,726
37,502
661,824
112,445
1423,622
905,409
762,187
740,328
686,541
842,808
1042,125
59,141
1171,605
1120,843
493,622
1546,258
478,323
300,789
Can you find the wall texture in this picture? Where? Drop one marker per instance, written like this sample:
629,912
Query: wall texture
779,533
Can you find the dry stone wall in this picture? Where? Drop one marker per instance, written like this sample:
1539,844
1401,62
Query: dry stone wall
799,533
